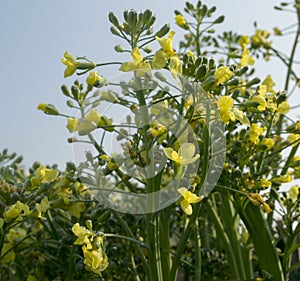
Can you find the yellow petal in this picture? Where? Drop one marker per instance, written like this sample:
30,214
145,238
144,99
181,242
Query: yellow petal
186,207
187,150
175,66
136,56
127,66
160,60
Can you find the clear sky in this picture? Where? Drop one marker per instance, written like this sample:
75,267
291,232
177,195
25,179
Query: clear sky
34,36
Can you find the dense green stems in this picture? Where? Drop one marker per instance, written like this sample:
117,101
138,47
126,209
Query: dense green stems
164,235
152,220
194,216
230,221
182,243
260,235
262,154
211,210
197,246
136,245
70,275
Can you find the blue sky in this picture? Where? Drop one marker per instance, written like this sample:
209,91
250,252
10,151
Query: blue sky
34,36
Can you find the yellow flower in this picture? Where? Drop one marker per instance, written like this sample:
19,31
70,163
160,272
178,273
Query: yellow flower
244,40
72,124
265,183
95,260
255,132
260,100
184,156
75,209
70,62
246,59
188,199
137,64
257,200
284,107
84,235
111,165
42,207
16,234
241,116
225,105
268,143
282,179
16,211
181,21
48,108
269,83
294,192
44,175
294,139
175,66
222,74
166,52
259,39
166,44
266,208
94,79
93,116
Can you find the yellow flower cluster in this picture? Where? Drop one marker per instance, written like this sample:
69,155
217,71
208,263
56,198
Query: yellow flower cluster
161,58
229,113
92,243
165,54
260,39
255,132
222,74
257,200
43,175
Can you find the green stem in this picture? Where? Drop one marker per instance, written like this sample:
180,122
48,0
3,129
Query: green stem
137,246
226,241
152,221
292,55
289,160
198,262
164,236
260,235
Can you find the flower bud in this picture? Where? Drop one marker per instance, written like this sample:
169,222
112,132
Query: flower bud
65,90
163,31
48,108
114,31
113,19
119,49
70,104
147,49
